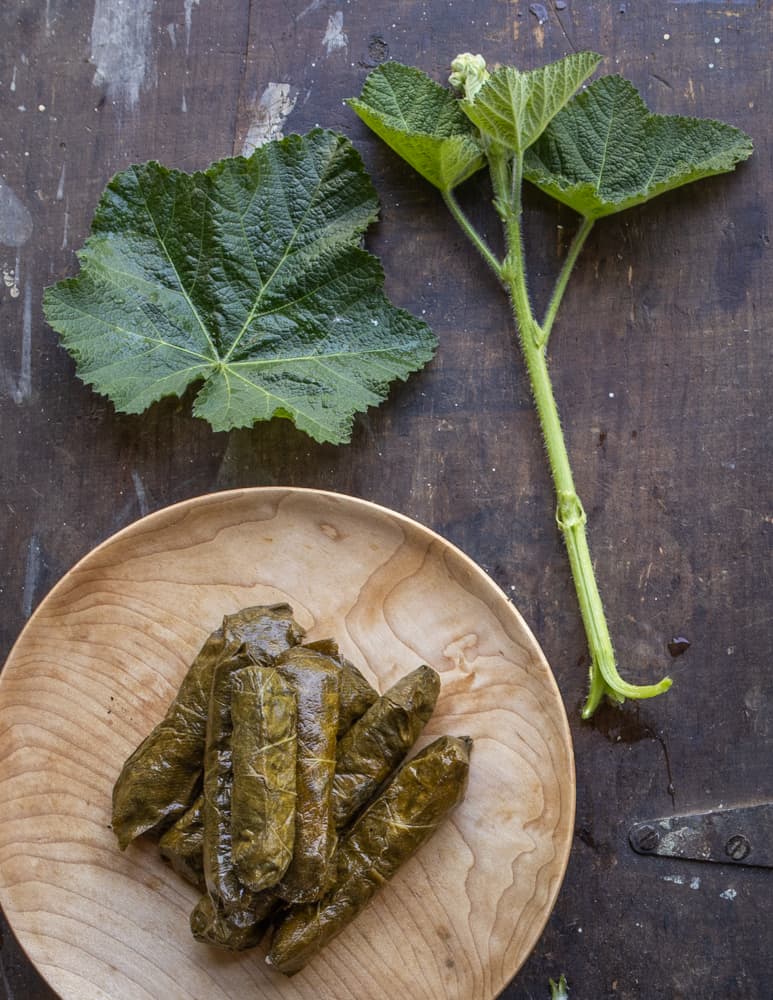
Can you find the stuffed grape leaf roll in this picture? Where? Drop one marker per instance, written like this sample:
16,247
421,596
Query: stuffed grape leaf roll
182,844
264,762
314,678
355,693
406,814
265,630
223,885
161,778
378,742
233,931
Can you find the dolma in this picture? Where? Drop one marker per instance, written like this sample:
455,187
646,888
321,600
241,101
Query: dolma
315,679
264,761
411,807
233,931
355,693
182,844
379,741
228,894
265,631
160,779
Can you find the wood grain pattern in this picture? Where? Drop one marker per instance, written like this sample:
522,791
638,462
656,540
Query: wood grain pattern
101,658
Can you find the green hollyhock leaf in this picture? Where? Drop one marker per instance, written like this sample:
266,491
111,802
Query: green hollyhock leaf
248,278
513,107
606,152
422,122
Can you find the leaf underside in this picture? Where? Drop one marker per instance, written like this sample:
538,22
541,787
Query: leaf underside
249,276
606,151
422,122
513,107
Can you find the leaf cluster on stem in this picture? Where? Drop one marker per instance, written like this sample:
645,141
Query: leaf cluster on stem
598,151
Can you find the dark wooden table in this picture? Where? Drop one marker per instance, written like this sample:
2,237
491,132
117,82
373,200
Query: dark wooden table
661,361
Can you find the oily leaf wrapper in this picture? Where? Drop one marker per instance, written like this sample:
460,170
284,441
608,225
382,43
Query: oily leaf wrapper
263,794
223,885
161,778
183,842
315,680
378,742
355,692
234,931
265,631
401,819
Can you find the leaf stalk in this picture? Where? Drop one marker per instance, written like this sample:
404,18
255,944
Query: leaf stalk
471,232
570,514
563,278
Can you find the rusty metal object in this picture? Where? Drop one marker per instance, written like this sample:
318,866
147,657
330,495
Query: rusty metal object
742,835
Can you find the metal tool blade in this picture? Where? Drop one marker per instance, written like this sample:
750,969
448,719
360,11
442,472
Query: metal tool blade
742,835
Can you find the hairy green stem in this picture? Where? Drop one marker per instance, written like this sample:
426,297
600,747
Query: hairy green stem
570,515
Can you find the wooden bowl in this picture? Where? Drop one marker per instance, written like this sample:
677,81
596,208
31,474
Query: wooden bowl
101,659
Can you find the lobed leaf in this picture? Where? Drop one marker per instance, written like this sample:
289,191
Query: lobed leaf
606,151
513,107
422,122
248,276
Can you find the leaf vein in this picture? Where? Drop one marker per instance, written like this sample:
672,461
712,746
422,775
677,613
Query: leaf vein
187,297
311,202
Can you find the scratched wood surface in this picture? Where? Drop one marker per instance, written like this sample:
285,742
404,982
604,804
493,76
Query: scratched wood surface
661,364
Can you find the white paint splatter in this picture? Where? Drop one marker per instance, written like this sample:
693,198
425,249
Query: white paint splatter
15,219
23,388
66,223
695,883
314,5
676,879
728,894
269,116
12,278
13,81
335,37
139,489
60,186
171,30
31,576
25,375
9,281
121,46
189,5
183,105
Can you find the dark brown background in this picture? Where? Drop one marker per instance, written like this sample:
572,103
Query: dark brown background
661,362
